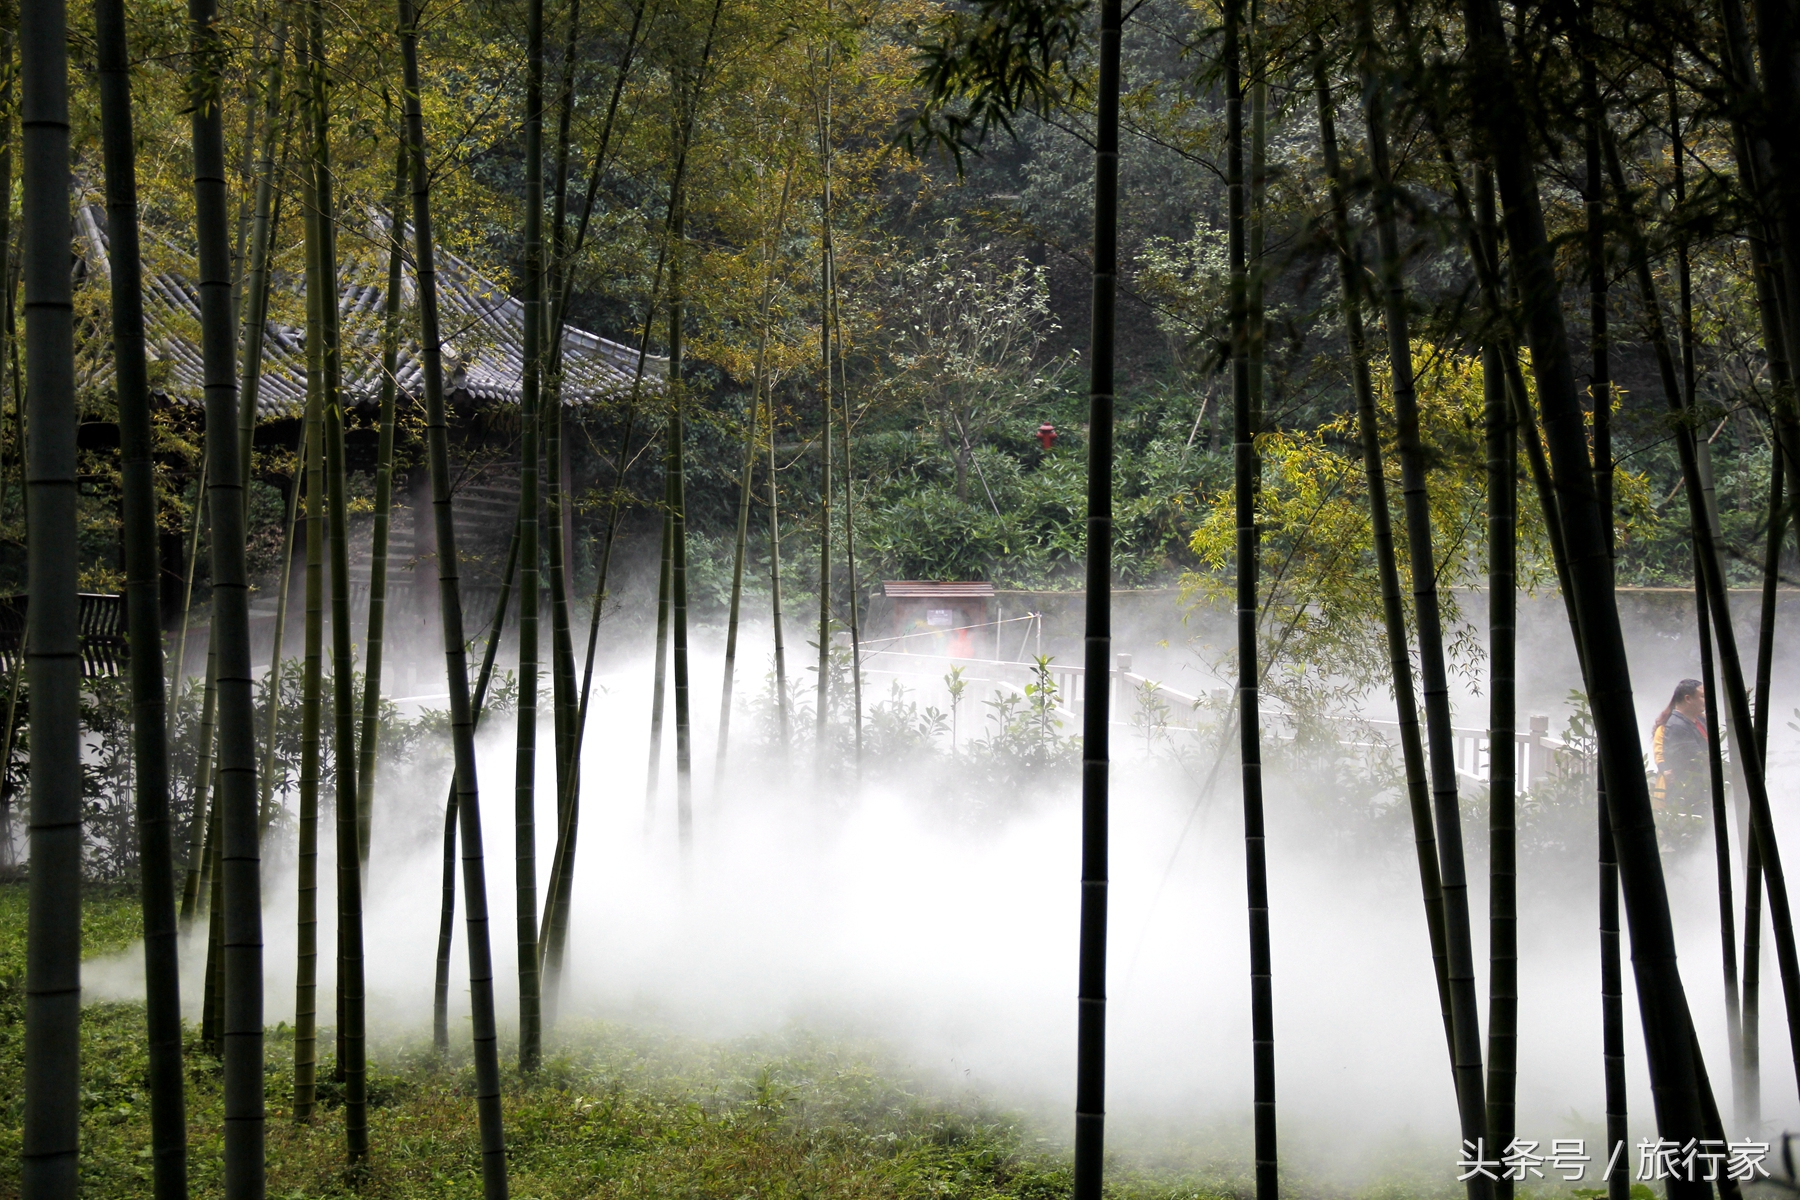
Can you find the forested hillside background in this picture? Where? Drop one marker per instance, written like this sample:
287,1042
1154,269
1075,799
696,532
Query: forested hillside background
963,296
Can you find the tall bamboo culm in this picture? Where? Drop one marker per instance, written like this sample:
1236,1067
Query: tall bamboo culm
1090,1034
440,996
468,804
1412,746
1465,1020
254,319
746,477
525,760
1662,1002
677,471
352,1047
374,639
149,741
553,937
1245,362
240,833
1503,942
312,674
822,689
193,884
1697,479
53,943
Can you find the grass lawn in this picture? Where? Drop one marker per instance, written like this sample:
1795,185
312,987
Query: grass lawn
616,1112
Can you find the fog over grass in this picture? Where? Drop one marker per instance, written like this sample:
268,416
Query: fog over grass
883,909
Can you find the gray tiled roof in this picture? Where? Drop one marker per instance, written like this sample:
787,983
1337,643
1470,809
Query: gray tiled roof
482,330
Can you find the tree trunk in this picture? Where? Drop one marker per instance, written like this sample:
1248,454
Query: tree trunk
783,721
658,692
525,762
1090,1036
553,937
740,547
678,593
179,666
1706,551
822,698
1412,746
8,343
1464,1011
1503,952
856,704
440,996
481,971
266,779
1246,369
352,1046
199,866
1600,395
253,328
213,988
1662,1002
384,509
240,831
52,1117
149,736
312,679
559,513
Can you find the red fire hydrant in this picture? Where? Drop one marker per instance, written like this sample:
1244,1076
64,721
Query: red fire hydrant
1046,435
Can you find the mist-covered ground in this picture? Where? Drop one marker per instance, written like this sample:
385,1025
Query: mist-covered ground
942,926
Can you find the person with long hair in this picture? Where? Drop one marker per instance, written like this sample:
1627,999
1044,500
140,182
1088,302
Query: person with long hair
1678,747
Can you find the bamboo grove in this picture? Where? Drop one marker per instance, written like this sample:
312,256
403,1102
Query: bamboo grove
1584,216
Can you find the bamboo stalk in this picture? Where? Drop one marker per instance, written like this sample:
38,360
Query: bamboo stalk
1705,526
149,733
198,864
267,776
677,435
52,1108
658,688
1090,1043
822,696
253,329
240,829
559,509
374,639
666,579
312,677
352,1051
1503,945
782,719
1668,1032
553,938
440,997
837,322
1245,235
525,762
741,545
1381,523
8,342
212,990
1464,1013
481,973
678,592
1600,394
187,600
